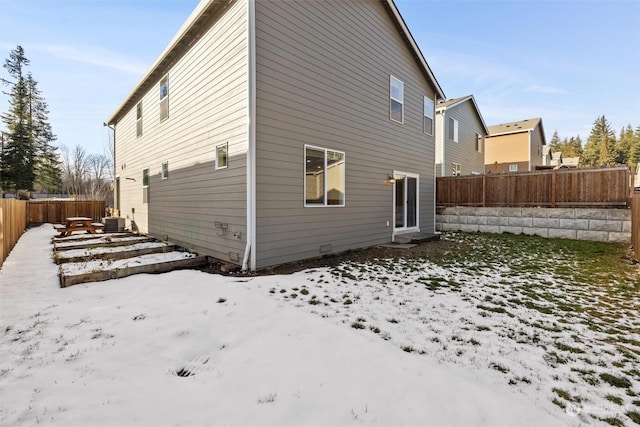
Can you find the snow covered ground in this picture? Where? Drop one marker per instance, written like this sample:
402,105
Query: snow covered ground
391,343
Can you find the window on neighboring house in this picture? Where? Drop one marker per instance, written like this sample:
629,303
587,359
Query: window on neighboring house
164,98
513,168
456,169
324,180
139,119
222,155
396,100
145,185
453,129
478,143
428,115
164,171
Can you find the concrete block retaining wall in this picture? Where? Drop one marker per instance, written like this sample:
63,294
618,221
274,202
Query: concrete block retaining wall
604,225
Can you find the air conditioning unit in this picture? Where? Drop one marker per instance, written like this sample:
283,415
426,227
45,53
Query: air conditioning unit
113,224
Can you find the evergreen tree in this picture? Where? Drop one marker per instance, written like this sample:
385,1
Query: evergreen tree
18,155
634,151
600,149
555,144
624,144
572,147
48,165
28,156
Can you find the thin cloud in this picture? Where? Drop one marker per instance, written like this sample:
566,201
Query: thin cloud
550,90
93,56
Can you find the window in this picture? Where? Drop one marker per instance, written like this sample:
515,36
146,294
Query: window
428,116
324,177
453,129
478,143
222,155
164,98
456,169
513,168
139,119
396,101
164,171
145,185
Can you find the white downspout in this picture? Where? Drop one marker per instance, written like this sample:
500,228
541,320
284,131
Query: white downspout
249,259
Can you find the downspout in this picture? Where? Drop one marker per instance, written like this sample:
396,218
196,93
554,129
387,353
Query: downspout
249,259
113,128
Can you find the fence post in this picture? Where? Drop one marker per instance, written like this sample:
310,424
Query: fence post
484,190
553,188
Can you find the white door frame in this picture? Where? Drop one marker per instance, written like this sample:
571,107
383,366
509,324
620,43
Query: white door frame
404,229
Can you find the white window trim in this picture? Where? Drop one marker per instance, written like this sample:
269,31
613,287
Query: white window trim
162,167
457,167
513,168
479,141
344,178
403,230
139,119
455,135
166,76
218,167
148,177
391,98
432,116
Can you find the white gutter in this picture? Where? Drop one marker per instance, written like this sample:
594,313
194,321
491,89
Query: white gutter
249,259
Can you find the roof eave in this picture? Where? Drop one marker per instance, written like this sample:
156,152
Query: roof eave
414,47
198,13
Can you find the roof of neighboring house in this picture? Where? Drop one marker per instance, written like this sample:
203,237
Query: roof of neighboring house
514,127
192,29
450,103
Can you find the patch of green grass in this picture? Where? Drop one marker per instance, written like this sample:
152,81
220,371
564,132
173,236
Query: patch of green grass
553,359
392,320
565,347
357,325
498,367
408,349
621,382
615,399
614,421
634,415
374,329
304,292
491,308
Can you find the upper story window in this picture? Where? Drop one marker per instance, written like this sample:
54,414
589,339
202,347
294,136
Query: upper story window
164,171
324,180
428,115
222,155
139,119
396,100
453,129
478,143
164,98
513,168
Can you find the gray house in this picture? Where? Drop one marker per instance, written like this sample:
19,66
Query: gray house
270,131
460,137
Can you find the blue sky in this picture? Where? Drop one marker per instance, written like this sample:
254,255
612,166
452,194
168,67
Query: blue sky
565,61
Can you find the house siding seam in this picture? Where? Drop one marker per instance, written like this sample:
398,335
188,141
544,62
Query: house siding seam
323,80
207,106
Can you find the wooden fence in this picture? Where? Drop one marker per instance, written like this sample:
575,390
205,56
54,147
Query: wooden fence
13,221
610,187
56,211
635,224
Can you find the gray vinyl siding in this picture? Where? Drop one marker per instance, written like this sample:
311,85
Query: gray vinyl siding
323,79
207,106
464,151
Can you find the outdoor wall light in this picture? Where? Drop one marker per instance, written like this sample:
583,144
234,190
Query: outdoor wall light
391,179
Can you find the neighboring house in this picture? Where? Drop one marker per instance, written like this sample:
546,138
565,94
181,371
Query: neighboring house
555,160
460,137
515,147
270,131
